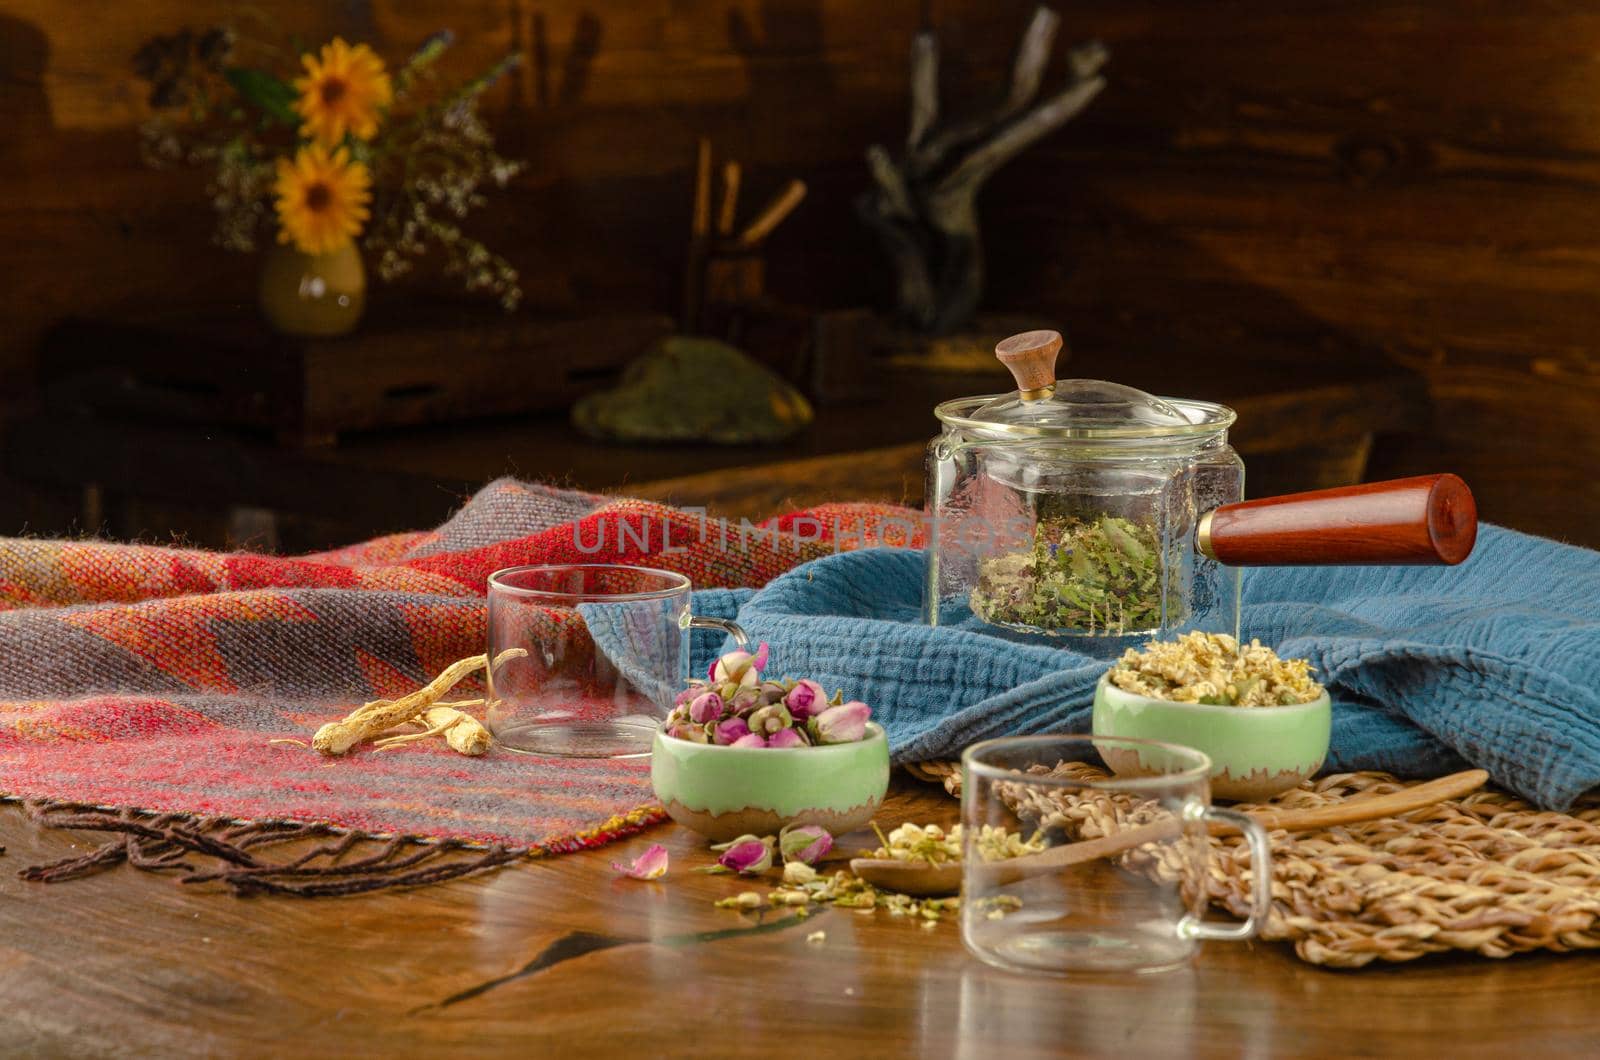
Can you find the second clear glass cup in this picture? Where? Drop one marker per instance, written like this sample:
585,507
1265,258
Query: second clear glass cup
1120,882
586,659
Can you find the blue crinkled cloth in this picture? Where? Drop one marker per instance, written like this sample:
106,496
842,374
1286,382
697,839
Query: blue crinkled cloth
1493,663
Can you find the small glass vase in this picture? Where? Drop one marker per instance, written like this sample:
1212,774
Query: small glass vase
313,295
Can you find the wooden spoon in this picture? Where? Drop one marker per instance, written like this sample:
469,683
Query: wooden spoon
921,879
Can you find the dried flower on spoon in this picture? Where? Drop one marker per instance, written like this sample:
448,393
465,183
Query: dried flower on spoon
734,707
936,846
803,886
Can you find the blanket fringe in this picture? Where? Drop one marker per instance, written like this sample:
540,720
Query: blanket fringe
164,842
158,842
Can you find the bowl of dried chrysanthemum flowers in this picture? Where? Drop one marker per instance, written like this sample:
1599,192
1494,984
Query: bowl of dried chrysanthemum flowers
741,754
1263,721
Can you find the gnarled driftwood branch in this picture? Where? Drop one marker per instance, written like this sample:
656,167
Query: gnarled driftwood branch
922,206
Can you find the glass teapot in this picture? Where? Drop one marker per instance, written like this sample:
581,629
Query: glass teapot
1091,513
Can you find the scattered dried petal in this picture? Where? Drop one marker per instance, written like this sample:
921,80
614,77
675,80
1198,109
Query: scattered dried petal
651,865
742,900
796,873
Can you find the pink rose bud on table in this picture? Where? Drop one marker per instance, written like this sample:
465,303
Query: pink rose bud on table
747,854
651,865
786,738
807,843
806,699
845,723
705,707
729,732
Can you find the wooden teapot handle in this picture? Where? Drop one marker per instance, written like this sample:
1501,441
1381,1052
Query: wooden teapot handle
1430,519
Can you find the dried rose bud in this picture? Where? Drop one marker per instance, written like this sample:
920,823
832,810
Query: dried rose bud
746,855
729,731
741,667
744,701
806,699
806,843
786,738
688,731
773,692
651,865
750,739
845,723
769,719
705,707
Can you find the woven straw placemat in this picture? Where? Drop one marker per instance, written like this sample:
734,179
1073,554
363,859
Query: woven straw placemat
1486,874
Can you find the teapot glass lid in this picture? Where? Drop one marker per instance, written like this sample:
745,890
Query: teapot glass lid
1080,405
1043,406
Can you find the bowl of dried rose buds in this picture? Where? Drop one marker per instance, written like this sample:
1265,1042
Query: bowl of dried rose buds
741,754
1263,721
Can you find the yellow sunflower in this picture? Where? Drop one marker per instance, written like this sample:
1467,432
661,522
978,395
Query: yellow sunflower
321,199
343,91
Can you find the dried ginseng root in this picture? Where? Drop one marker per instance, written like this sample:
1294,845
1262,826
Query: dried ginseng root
461,730
378,717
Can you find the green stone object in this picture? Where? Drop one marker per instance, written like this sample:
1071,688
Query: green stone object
694,390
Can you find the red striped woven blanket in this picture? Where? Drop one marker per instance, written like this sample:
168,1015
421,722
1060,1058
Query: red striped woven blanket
142,688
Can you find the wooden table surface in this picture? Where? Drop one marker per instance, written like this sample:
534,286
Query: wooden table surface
562,954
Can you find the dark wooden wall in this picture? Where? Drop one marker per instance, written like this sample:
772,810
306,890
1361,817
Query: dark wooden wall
1418,177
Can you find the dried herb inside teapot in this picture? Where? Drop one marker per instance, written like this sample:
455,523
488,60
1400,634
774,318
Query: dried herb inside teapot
1095,576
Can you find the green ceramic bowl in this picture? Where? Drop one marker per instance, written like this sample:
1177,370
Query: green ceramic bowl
726,792
1255,752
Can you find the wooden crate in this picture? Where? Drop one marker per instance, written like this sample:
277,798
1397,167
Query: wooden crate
422,365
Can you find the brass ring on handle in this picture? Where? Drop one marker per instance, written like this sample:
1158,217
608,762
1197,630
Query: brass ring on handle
1202,536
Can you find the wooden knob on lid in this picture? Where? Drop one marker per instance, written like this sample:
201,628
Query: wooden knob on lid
1031,356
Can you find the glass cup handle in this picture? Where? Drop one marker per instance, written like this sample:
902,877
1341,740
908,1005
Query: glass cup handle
732,629
1260,882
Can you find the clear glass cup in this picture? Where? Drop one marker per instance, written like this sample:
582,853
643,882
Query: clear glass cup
1120,885
586,659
